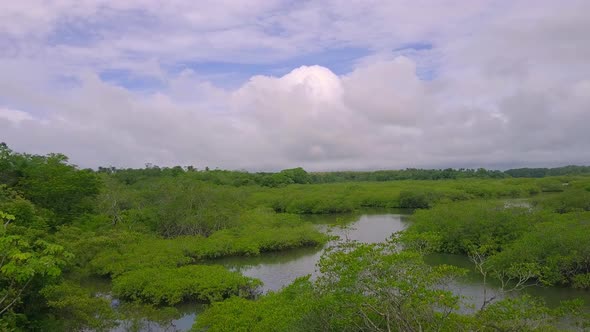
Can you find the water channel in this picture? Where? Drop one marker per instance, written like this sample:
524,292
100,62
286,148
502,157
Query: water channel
279,269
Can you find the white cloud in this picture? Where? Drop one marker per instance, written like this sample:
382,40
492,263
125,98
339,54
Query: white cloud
14,116
510,83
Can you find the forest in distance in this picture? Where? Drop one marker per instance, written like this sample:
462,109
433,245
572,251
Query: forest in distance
153,237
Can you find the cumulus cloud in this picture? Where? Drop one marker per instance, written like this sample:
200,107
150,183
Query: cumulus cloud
506,84
14,116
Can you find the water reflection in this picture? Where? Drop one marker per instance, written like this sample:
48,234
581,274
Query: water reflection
471,285
279,269
149,319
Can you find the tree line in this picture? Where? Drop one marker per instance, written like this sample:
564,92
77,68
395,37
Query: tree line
300,176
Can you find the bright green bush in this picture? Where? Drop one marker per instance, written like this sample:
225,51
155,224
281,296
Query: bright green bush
559,246
417,199
259,231
345,197
581,280
568,201
173,206
466,224
78,309
203,283
552,187
276,311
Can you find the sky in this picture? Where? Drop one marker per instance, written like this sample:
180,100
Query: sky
272,84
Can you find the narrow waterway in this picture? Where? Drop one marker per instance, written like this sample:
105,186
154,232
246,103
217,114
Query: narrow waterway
278,269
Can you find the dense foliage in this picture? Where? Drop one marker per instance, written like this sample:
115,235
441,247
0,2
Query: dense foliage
174,285
380,287
259,231
296,175
62,225
50,183
152,237
300,176
346,197
549,236
543,172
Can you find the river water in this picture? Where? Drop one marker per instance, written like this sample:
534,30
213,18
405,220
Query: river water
279,269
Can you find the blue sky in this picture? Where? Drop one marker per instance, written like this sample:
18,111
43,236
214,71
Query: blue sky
270,84
232,74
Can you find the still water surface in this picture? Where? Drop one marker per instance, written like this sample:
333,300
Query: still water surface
279,269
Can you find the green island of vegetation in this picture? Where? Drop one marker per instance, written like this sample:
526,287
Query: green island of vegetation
153,237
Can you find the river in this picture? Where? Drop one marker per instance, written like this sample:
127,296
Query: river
278,269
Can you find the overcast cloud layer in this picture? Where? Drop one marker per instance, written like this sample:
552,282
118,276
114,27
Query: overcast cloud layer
272,84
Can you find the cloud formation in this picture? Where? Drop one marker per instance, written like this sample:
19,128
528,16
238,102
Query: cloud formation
442,84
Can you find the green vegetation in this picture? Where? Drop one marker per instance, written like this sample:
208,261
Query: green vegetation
558,248
300,176
295,175
462,226
261,231
380,288
80,307
62,225
346,197
544,172
277,311
550,237
174,285
153,236
574,200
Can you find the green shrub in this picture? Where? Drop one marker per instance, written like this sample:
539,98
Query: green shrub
417,199
260,231
581,280
78,308
552,188
206,283
465,224
568,201
559,246
276,311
